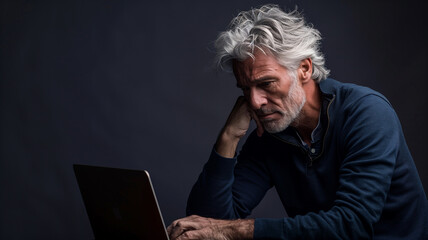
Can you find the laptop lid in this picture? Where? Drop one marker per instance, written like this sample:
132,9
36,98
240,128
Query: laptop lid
121,203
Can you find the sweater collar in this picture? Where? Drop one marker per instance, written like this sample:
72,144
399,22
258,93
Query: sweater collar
290,135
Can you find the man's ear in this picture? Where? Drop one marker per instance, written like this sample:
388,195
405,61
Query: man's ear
304,72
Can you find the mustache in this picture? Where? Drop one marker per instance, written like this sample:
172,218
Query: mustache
265,111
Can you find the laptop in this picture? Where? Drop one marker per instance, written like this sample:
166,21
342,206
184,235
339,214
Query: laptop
121,203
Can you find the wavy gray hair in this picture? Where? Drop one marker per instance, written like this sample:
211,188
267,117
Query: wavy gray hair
285,35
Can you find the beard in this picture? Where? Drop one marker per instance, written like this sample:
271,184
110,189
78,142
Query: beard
292,106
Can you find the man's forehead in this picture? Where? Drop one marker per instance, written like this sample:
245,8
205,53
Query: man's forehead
255,68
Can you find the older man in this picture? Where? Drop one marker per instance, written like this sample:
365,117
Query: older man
334,152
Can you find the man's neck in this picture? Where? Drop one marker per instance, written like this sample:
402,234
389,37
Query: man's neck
308,120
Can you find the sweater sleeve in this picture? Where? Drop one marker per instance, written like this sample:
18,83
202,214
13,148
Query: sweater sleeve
370,141
229,188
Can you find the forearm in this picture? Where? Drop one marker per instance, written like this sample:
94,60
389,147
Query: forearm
226,144
229,188
211,196
337,223
236,229
235,128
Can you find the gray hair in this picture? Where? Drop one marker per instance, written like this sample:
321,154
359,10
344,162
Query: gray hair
285,35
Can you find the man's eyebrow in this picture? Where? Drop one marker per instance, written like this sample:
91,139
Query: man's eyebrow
256,81
262,79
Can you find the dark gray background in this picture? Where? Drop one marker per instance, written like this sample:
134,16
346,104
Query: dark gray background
131,84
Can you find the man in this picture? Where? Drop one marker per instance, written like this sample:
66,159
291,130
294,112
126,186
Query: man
334,152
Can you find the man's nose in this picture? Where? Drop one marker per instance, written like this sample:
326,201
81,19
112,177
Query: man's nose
257,99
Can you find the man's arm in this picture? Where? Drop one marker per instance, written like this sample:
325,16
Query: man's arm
219,192
235,128
227,190
371,137
218,175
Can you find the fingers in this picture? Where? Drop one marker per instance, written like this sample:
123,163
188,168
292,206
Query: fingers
242,108
236,127
196,227
192,235
260,128
181,226
239,117
191,228
177,228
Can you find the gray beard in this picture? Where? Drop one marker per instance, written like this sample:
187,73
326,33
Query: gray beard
293,103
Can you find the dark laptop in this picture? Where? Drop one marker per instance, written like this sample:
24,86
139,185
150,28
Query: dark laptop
121,203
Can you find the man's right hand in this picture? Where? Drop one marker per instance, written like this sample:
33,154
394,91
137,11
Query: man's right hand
236,127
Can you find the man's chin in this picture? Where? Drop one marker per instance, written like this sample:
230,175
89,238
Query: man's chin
274,127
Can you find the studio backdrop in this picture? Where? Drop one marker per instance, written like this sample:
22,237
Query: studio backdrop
132,84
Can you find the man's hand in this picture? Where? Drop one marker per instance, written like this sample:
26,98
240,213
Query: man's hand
196,227
236,127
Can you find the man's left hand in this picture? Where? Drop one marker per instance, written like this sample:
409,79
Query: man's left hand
196,227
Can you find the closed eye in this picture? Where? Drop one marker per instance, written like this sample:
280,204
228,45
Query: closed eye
265,84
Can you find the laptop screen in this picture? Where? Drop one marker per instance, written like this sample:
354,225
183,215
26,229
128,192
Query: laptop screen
121,203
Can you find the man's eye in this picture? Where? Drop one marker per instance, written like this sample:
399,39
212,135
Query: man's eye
265,84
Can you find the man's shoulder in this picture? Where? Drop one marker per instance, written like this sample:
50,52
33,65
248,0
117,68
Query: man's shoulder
332,86
347,92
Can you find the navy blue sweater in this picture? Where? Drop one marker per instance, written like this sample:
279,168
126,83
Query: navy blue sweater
360,184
